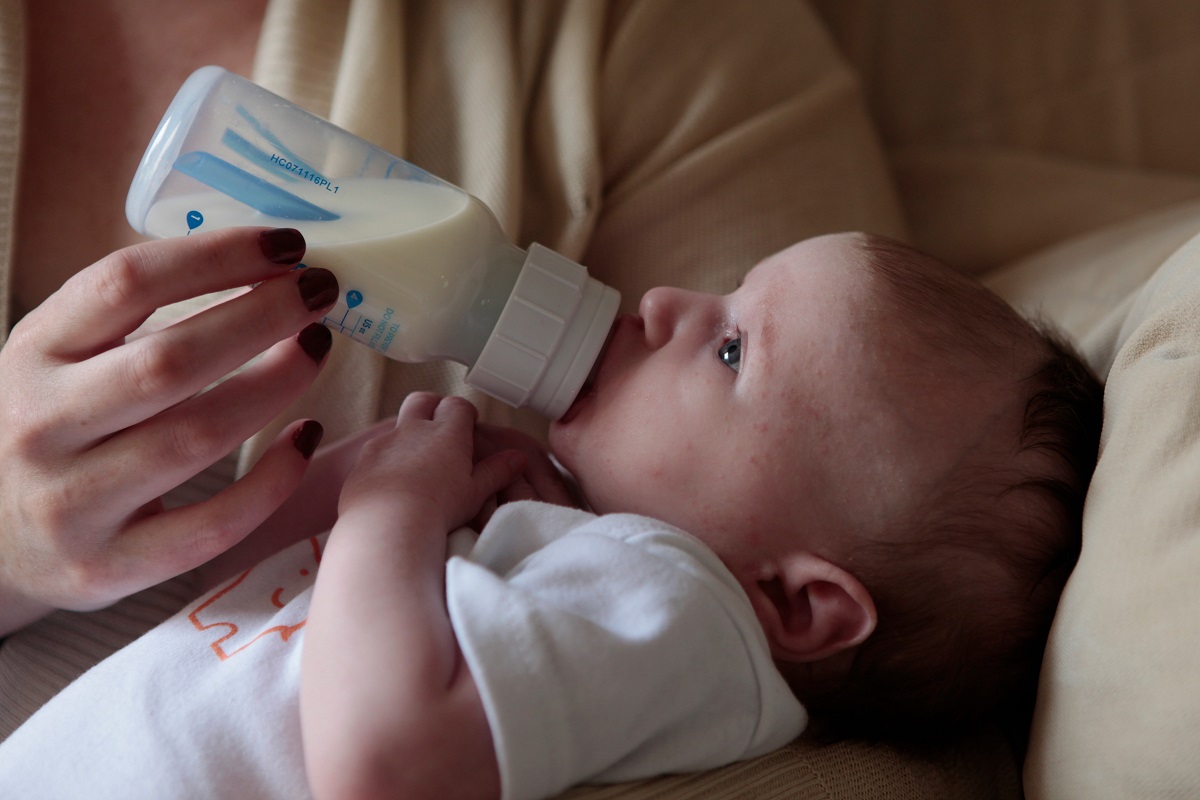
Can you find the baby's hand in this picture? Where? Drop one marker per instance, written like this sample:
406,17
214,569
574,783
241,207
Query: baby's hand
540,480
426,468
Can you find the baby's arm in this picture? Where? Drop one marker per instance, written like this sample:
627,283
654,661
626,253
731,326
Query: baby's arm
388,706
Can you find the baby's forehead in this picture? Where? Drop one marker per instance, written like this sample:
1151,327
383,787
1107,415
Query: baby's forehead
952,311
841,263
894,302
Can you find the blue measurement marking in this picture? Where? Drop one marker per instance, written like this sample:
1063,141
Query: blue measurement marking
341,323
246,188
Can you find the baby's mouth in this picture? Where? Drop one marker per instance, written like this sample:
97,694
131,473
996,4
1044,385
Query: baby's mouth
589,383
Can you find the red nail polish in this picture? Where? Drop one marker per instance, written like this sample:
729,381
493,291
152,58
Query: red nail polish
318,288
307,437
315,340
282,245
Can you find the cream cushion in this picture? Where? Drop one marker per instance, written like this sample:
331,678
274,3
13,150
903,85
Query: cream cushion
1119,703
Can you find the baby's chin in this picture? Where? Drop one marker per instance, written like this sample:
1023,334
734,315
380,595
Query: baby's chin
562,443
565,431
560,440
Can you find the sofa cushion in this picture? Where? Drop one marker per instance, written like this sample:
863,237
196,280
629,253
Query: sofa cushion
1119,704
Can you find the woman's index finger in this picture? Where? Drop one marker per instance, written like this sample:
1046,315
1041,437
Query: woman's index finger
110,299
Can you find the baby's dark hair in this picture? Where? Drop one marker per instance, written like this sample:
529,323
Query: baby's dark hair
967,584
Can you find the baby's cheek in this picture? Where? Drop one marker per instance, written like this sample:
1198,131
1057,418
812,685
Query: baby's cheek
752,536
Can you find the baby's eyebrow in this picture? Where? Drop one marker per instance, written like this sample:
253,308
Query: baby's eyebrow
746,275
768,332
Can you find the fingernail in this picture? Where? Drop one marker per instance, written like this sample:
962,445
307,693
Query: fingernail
315,340
318,288
282,245
307,437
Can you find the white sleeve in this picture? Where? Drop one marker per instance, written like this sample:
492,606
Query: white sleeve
618,648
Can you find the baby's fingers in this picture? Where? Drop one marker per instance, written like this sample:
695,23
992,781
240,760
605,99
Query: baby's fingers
547,484
417,406
496,473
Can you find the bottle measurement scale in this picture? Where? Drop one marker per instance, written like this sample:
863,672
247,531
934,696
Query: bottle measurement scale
426,272
361,325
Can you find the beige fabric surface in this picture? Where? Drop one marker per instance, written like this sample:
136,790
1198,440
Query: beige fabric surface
1010,127
844,770
1119,704
1013,124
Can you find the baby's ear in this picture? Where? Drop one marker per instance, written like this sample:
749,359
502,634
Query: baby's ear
809,608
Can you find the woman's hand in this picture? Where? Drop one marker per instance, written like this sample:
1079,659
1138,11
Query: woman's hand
94,429
311,509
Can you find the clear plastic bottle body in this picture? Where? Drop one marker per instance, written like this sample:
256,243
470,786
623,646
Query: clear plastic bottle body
424,268
445,308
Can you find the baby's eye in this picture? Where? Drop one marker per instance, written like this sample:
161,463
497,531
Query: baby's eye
731,353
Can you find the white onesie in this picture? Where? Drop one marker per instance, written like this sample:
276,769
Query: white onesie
605,649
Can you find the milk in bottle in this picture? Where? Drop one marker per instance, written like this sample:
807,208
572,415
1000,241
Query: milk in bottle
424,269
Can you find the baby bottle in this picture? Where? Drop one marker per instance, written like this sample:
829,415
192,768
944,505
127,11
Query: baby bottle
425,271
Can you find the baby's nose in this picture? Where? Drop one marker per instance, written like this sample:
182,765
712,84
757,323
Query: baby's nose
660,311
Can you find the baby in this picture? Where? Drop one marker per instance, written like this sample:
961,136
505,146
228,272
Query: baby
887,460
852,487
890,460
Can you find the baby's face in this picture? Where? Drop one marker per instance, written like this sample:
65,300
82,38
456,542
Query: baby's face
792,407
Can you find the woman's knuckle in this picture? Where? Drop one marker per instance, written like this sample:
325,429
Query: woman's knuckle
120,277
192,439
24,337
56,520
153,369
211,531
43,517
208,541
82,582
26,433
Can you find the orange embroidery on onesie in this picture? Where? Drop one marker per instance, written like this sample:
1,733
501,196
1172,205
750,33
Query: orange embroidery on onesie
228,604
